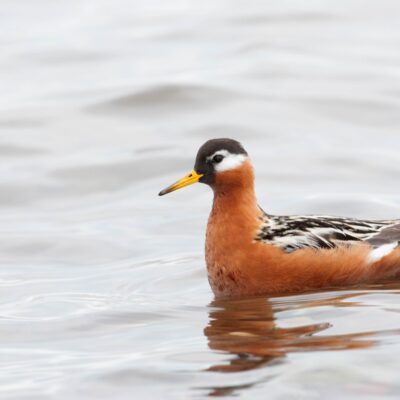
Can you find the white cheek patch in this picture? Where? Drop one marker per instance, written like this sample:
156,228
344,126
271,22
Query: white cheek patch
382,251
230,161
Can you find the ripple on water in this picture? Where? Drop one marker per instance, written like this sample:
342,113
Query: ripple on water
165,98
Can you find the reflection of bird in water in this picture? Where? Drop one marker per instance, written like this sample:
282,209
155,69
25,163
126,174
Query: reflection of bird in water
250,252
247,330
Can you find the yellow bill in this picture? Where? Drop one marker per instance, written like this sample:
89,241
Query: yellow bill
187,180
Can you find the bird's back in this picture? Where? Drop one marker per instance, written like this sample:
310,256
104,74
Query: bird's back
291,233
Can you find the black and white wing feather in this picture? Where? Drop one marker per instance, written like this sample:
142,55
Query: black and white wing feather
323,232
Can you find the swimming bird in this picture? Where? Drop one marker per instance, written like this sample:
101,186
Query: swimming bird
250,252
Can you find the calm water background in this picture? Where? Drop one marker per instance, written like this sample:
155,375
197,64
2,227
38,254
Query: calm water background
103,290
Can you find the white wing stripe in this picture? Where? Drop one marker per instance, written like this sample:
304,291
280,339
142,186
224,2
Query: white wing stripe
381,251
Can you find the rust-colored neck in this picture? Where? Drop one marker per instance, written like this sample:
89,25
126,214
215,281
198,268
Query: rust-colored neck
232,227
235,205
235,216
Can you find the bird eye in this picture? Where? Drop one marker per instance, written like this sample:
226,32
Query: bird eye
217,158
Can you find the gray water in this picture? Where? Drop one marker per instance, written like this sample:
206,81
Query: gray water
103,290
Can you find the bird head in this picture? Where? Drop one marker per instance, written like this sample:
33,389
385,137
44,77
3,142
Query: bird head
220,163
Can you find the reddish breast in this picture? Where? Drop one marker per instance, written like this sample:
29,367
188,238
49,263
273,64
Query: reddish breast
232,227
